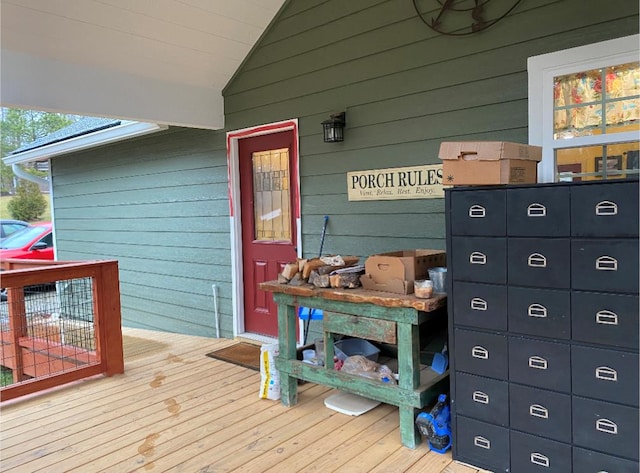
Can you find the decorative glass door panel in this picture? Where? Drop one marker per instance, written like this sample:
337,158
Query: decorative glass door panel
271,194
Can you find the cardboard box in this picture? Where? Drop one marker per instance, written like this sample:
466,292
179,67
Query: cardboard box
489,162
396,271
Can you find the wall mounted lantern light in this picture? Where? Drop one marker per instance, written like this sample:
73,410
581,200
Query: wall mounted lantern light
334,128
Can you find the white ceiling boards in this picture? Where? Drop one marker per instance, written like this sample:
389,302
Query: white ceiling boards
163,61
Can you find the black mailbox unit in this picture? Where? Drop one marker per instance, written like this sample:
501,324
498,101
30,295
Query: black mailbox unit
543,326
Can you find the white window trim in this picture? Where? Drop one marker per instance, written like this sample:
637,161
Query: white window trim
542,69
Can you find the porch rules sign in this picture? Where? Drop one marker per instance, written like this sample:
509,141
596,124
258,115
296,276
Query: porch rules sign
415,182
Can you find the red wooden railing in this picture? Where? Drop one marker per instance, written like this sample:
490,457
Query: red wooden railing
37,354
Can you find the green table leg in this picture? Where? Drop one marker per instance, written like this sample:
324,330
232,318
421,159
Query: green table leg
409,373
287,348
409,434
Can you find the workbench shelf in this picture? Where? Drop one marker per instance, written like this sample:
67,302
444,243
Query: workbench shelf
371,315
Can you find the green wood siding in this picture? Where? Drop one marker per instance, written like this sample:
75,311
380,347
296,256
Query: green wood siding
405,89
157,204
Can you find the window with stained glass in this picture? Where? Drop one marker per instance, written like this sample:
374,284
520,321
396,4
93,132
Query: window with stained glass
588,122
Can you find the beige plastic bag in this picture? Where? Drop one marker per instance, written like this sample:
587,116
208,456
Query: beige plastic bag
362,366
269,376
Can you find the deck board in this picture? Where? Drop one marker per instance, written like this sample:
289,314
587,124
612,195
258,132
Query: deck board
177,410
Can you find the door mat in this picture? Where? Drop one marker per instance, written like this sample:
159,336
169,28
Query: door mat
243,354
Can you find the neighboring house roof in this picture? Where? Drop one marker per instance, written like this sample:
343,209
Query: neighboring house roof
87,132
81,127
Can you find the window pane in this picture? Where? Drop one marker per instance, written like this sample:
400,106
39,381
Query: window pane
623,81
578,121
579,100
271,199
621,115
573,89
615,161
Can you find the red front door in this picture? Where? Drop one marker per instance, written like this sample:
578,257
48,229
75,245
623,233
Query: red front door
268,199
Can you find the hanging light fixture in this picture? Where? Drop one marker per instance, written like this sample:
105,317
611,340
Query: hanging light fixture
333,128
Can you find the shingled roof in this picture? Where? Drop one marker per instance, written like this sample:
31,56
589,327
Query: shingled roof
81,127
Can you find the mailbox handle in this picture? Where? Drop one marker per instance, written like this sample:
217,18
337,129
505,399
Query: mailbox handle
537,362
606,208
477,258
480,352
482,442
477,211
607,426
536,210
539,459
606,317
606,263
536,410
537,310
606,374
536,260
479,304
479,396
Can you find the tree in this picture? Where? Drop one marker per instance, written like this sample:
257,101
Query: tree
19,127
6,178
28,204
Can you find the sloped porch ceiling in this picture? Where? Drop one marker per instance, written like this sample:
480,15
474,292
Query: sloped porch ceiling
161,61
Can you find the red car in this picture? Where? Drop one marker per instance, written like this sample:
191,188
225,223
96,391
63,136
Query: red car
32,242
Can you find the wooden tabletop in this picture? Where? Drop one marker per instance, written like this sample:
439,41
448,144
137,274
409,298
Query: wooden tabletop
358,295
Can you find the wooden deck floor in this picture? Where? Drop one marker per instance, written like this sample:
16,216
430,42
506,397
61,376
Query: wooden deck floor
177,410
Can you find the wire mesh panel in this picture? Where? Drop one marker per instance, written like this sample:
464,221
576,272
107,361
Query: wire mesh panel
76,311
51,330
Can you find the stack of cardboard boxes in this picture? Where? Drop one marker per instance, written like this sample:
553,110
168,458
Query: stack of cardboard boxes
396,271
489,162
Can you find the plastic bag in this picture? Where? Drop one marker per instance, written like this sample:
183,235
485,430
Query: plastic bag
269,376
362,366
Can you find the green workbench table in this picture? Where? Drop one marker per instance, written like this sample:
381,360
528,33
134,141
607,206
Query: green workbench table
372,315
